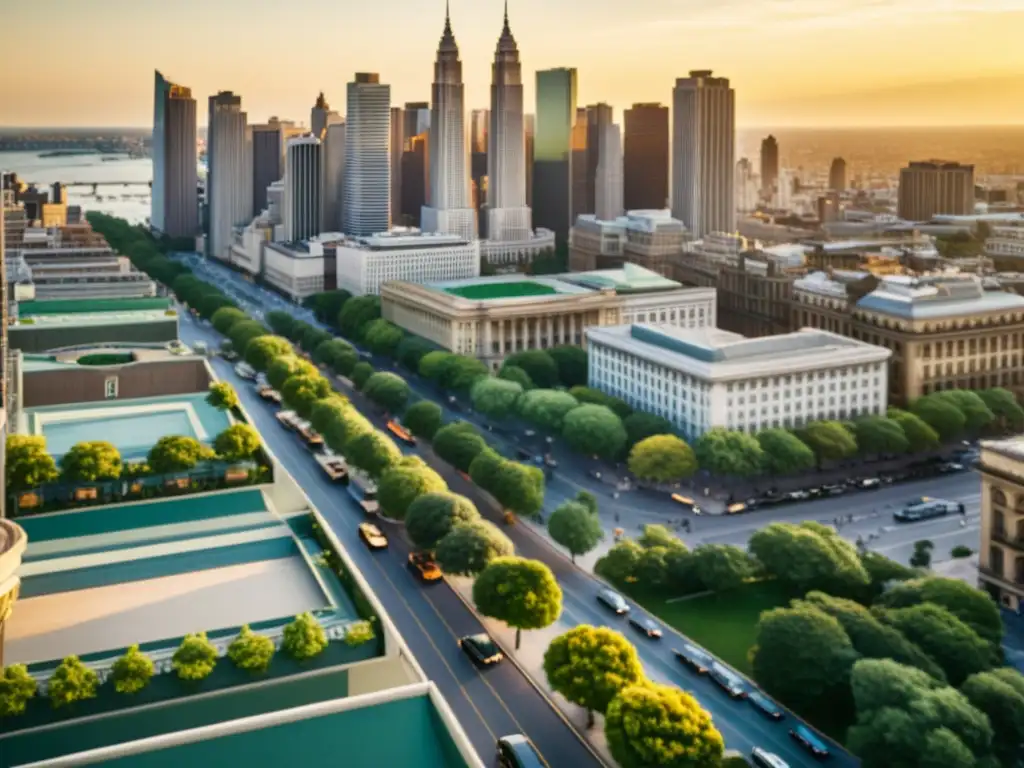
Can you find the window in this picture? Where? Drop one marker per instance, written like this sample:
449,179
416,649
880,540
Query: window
110,387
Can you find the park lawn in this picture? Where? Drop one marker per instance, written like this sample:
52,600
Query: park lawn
724,624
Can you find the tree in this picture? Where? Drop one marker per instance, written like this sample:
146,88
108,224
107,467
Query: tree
879,436
659,725
619,564
388,390
361,373
312,337
575,527
662,459
522,593
91,461
808,556
423,419
344,363
433,364
882,572
261,351
976,414
300,392
251,651
468,548
594,429
517,487
27,464
459,444
920,436
244,332
17,687
72,681
572,365
972,606
239,442
590,666
922,557
729,453
373,452
195,658
999,694
830,440
803,656
784,452
546,408
951,643
459,373
411,350
538,364
222,396
1009,416
721,566
639,426
944,417
285,368
400,485
330,351
298,331
280,322
495,398
516,374
304,638
176,453
357,314
226,317
383,337
132,672
327,305
432,516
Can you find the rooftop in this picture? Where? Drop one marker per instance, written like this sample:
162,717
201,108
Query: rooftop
62,307
938,296
404,238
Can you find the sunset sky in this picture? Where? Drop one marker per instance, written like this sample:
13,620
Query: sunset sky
792,62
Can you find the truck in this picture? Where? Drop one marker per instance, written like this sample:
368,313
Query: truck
334,466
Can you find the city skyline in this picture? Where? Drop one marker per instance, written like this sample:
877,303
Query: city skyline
780,57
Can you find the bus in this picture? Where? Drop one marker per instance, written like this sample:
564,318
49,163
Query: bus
687,503
400,432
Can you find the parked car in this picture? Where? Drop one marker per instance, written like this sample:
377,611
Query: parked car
833,489
765,706
799,495
728,681
372,536
765,759
646,625
481,649
698,660
517,751
810,741
614,601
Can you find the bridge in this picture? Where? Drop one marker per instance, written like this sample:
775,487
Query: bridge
95,184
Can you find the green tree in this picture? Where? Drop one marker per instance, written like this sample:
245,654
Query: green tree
728,453
830,440
639,426
432,516
400,486
423,419
327,305
460,372
345,362
300,392
972,606
72,681
433,364
660,725
195,658
576,527
373,452
411,350
132,672
284,368
264,350
239,442
879,436
469,547
222,396
943,416
516,374
27,464
522,593
312,337
999,694
594,429
784,452
538,364
920,436
495,398
177,453
590,666
388,390
882,572
1009,416
572,365
17,687
251,651
721,566
91,461
280,323
329,352
619,565
951,643
976,414
459,444
546,408
662,459
922,557
357,314
809,556
298,331
304,638
361,373
383,337
517,487
226,317
244,332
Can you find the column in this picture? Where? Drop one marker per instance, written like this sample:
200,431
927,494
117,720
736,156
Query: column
551,331
501,337
572,328
512,332
488,341
560,320
536,333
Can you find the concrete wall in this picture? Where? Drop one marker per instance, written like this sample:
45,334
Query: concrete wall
41,338
83,384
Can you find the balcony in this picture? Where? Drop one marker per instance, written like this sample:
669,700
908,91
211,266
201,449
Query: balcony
1014,585
1005,537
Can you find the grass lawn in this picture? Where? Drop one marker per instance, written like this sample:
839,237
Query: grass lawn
724,624
512,289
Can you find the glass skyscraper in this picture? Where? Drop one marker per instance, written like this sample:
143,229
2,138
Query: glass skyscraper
552,151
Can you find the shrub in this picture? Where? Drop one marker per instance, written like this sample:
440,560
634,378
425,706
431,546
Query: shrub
251,651
304,638
132,672
195,658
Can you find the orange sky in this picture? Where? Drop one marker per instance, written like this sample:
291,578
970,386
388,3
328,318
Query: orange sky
792,62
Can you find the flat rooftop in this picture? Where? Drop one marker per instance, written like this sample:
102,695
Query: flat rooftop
915,298
98,318
91,306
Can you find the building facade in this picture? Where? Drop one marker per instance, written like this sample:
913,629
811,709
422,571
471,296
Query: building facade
645,157
364,264
1006,243
303,188
175,196
229,180
367,191
608,178
707,378
296,269
934,187
650,239
837,175
333,149
1001,550
552,151
769,167
267,161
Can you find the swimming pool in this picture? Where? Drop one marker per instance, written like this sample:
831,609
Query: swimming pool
132,434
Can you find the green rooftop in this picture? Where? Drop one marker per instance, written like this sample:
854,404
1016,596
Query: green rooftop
510,289
77,306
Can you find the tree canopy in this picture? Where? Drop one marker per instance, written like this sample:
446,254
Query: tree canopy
576,527
516,374
388,390
132,672
222,396
920,436
27,463
809,556
469,547
72,681
721,567
264,350
784,453
495,398
304,638
538,364
879,436
300,392
356,314
517,487
1004,406
238,442
942,415
195,658
360,374
373,452
830,440
729,453
284,368
662,459
594,429
403,483
977,415
17,687
459,443
251,651
571,363
546,408
383,337
91,461
226,317
972,606
640,425
999,694
522,593
954,646
423,419
432,516
177,453
244,332
280,322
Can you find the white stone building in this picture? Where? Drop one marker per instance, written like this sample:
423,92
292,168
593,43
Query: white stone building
1006,241
366,199
298,269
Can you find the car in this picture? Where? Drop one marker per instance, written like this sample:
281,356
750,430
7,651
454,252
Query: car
868,483
481,649
765,706
372,536
686,503
951,466
517,751
245,371
765,759
614,601
523,454
595,473
810,741
424,567
833,489
550,461
798,495
698,660
728,681
646,625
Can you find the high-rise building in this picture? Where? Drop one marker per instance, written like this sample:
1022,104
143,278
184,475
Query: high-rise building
608,182
175,197
397,131
704,132
529,129
229,178
267,158
837,175
333,150
450,211
414,163
769,167
598,117
321,116
935,187
579,164
479,121
645,158
552,151
367,184
303,188
746,187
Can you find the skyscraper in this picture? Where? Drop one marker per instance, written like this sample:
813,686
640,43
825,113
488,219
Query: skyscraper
321,116
333,149
267,159
175,197
449,211
608,178
645,158
229,178
704,131
397,138
303,187
508,217
529,128
480,119
769,167
933,187
552,150
579,164
598,116
415,164
367,184
837,175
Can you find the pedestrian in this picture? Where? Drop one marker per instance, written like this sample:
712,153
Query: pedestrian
616,518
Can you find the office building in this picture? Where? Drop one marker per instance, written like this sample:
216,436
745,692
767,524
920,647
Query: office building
414,164
650,239
934,187
598,117
645,157
769,167
267,160
397,147
321,116
175,196
303,188
704,131
579,165
450,210
707,378
552,151
229,179
364,264
480,120
608,174
1005,243
333,149
300,268
367,183
747,193
1001,550
837,175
